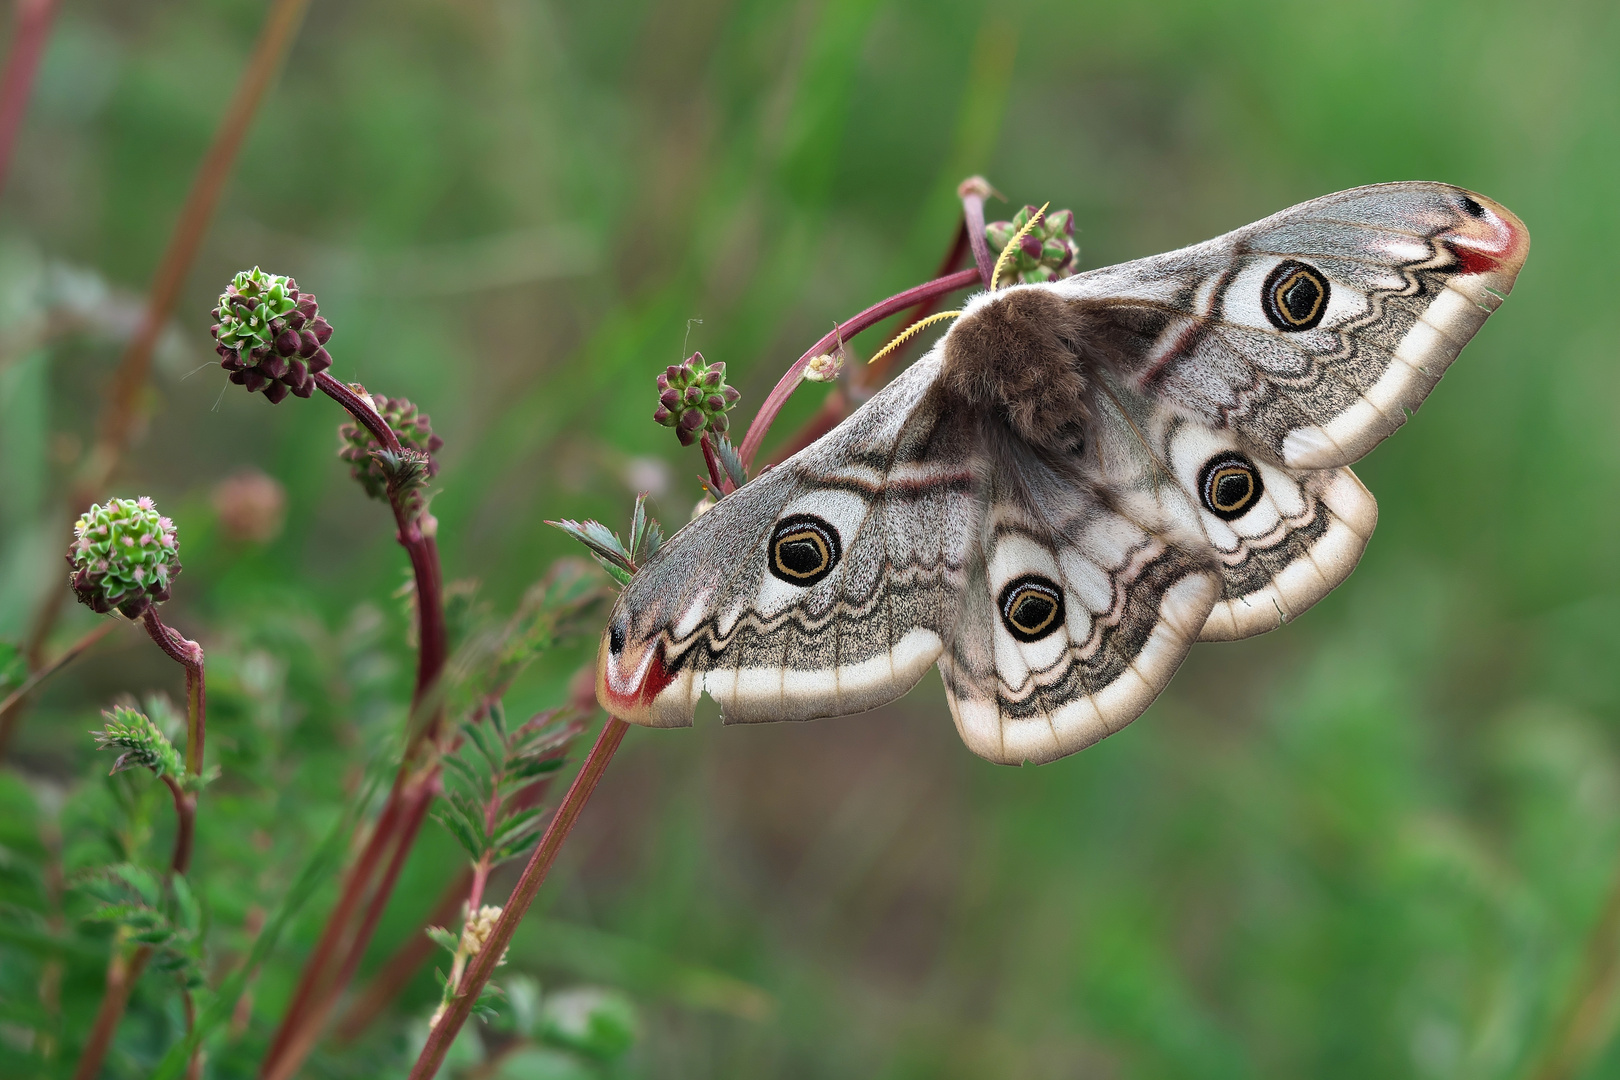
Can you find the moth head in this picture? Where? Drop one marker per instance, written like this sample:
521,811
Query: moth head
1022,355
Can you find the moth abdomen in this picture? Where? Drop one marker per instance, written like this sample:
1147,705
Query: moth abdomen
1021,356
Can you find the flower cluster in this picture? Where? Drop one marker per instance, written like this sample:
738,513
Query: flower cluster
412,428
143,744
1046,253
123,557
693,398
270,336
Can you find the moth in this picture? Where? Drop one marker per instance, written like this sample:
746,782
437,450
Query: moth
1076,483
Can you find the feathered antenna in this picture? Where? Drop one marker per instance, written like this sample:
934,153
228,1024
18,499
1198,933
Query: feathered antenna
1012,245
911,331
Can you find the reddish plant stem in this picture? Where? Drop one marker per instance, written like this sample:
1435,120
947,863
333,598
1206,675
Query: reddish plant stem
872,315
11,708
391,978
412,953
122,972
973,191
185,813
33,30
189,655
338,954
517,905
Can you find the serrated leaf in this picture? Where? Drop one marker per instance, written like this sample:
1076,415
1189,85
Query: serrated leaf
602,541
458,828
486,743
729,461
463,771
527,770
519,824
140,880
113,913
444,939
188,915
615,571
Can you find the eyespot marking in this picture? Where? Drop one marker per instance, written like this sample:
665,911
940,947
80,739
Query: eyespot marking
1295,296
803,550
616,637
1031,607
1229,485
1471,207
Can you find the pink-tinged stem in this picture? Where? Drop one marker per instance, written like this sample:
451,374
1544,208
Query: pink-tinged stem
33,30
872,315
517,905
973,191
360,906
189,655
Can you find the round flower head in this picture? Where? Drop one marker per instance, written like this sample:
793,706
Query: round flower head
1046,253
124,555
270,336
409,426
693,398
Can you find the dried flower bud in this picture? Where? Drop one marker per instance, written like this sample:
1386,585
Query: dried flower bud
693,397
410,427
1047,253
123,556
251,506
269,335
825,367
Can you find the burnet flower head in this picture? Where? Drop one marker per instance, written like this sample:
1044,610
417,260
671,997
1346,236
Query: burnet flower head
124,556
270,336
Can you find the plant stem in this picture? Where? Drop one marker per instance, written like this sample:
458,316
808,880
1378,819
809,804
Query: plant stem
973,192
189,655
872,315
338,954
517,905
11,708
185,828
33,29
122,972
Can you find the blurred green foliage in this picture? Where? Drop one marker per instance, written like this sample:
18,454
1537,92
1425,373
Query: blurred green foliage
1374,843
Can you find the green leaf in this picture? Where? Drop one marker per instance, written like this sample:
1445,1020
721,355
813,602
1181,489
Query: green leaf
188,914
599,1022
729,461
466,835
445,939
602,541
322,863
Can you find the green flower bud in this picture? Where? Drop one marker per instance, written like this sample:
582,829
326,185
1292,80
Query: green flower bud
143,744
693,397
415,434
123,556
270,336
1046,253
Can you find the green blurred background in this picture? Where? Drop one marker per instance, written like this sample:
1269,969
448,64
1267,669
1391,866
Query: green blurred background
1377,842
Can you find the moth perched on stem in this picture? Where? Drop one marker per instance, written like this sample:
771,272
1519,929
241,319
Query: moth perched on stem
1082,478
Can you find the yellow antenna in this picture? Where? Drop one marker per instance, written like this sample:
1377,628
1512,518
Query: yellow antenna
910,332
1012,245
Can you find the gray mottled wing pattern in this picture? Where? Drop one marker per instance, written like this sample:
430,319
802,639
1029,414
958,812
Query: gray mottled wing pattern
1144,569
900,485
1411,271
1111,533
